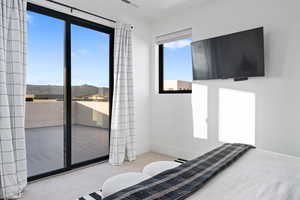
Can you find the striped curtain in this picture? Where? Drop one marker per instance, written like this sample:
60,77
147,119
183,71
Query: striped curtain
122,141
13,169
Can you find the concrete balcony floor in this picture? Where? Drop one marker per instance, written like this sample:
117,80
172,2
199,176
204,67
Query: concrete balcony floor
45,146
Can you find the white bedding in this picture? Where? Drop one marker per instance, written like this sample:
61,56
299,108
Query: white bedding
258,175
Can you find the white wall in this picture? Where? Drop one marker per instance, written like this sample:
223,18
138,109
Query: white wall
141,51
277,94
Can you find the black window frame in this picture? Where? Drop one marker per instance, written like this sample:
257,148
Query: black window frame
69,20
161,89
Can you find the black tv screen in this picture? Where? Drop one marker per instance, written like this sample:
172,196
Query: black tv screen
238,55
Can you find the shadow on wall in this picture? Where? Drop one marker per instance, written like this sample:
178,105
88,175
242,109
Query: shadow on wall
236,115
89,113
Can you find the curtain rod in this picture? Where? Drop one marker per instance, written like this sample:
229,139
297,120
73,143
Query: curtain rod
83,11
80,10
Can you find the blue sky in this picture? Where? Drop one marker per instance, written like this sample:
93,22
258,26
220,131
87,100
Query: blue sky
90,54
178,60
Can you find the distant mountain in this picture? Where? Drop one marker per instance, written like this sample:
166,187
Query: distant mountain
82,90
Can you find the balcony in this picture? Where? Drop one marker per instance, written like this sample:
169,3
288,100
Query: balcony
44,128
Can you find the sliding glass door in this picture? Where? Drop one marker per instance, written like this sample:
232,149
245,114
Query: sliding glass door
68,99
44,119
90,93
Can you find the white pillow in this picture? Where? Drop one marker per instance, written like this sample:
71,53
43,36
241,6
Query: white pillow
155,168
122,181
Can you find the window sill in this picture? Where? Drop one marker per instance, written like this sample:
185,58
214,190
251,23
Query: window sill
176,92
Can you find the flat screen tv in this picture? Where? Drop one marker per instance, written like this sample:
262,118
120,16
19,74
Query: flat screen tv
238,55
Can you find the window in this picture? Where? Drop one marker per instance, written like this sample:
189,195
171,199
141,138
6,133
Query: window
68,97
44,117
90,93
175,62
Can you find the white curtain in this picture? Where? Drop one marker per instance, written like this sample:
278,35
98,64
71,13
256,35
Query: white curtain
122,142
13,169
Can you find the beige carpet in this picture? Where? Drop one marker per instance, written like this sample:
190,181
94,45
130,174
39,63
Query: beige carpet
77,183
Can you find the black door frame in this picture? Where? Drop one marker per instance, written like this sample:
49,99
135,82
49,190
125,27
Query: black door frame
69,20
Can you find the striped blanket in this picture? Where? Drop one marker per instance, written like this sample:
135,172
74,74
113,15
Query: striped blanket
92,196
183,181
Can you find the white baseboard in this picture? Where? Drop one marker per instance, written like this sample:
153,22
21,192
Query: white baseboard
178,152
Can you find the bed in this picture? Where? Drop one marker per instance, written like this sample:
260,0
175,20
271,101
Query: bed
258,174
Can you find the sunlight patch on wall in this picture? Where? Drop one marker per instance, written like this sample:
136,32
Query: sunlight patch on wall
236,116
200,114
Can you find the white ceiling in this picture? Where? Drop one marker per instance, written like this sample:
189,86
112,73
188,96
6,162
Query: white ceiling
154,9
148,9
